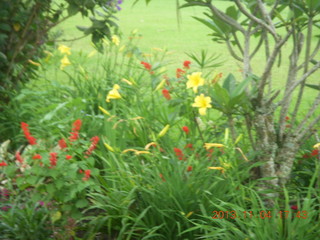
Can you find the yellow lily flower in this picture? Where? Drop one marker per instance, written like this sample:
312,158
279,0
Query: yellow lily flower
316,146
34,63
104,111
149,145
160,85
64,62
195,80
137,152
202,103
64,49
92,53
108,147
115,39
127,81
164,131
114,93
217,168
210,145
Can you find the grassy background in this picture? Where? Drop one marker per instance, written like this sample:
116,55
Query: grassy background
158,26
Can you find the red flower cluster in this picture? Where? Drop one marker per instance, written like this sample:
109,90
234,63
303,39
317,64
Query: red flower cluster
62,143
179,153
166,94
185,129
87,174
180,72
53,159
186,64
146,65
3,164
25,129
75,130
18,157
37,156
94,142
68,157
315,152
189,169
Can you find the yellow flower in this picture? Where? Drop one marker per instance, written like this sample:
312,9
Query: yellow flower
64,49
210,145
195,80
92,53
64,62
137,152
317,145
217,168
108,147
127,81
114,93
34,63
115,39
202,103
160,85
104,111
164,131
149,145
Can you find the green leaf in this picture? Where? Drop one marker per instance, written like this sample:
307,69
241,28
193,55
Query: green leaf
55,216
212,25
73,9
229,83
81,203
317,87
233,12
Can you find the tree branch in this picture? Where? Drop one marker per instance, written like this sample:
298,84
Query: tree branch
232,52
225,18
270,63
304,77
257,20
311,111
308,128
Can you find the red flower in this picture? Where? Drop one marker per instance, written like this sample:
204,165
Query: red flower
315,152
3,164
37,156
185,129
62,143
18,157
179,72
287,118
77,125
166,94
53,159
25,129
186,64
80,171
189,169
189,145
87,175
94,142
68,157
76,128
74,136
306,155
179,153
146,65
294,207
